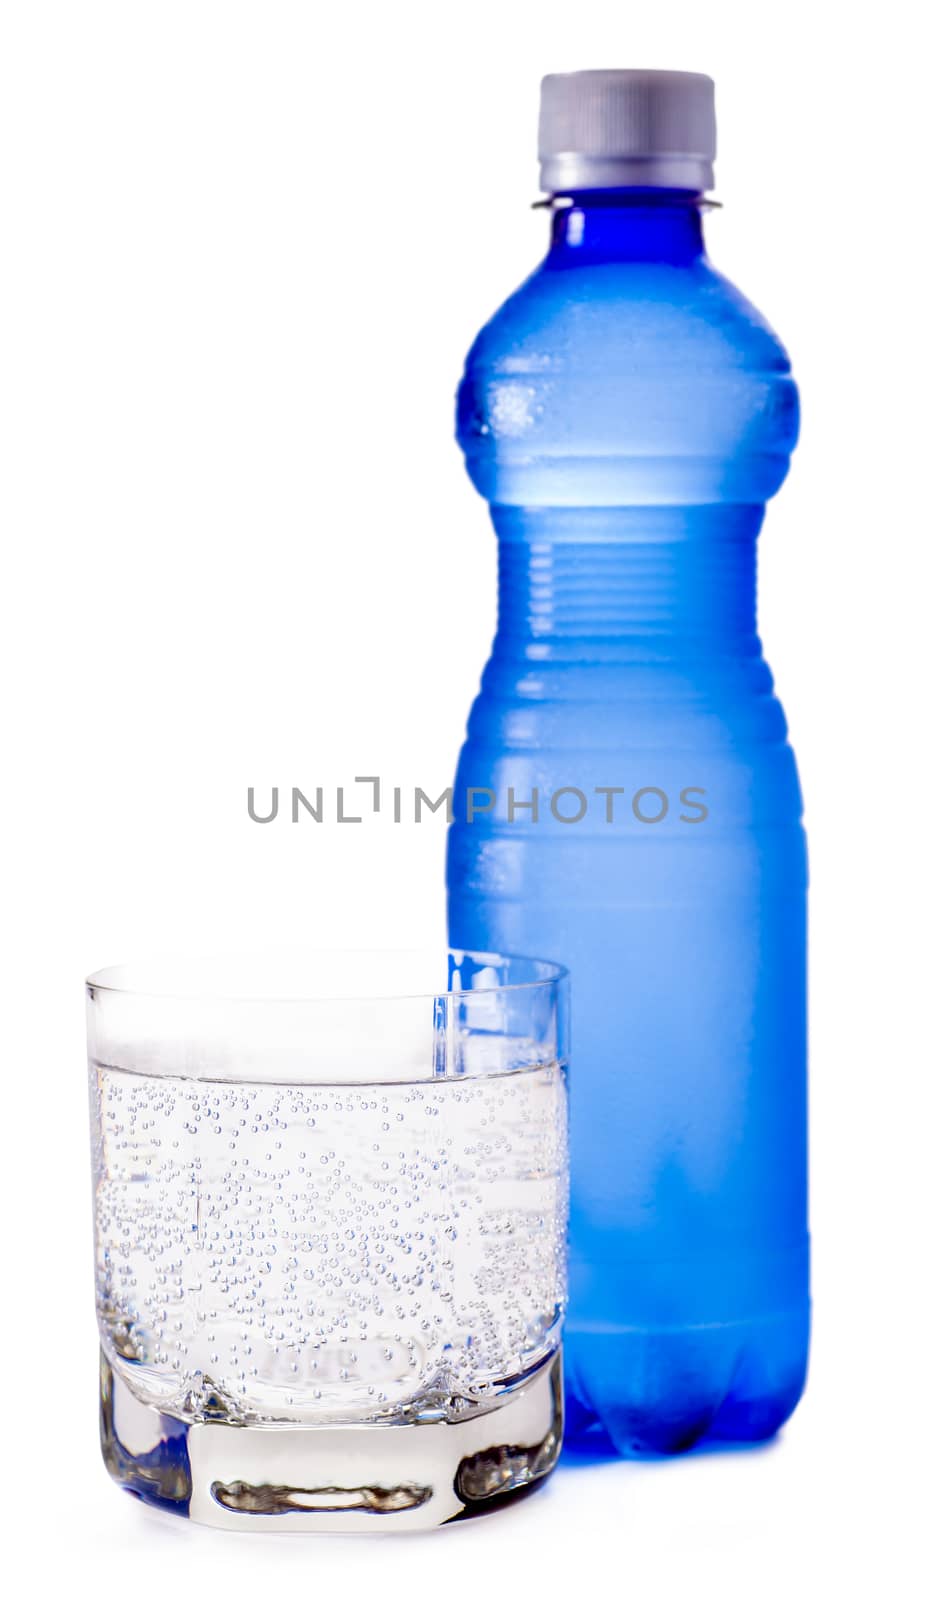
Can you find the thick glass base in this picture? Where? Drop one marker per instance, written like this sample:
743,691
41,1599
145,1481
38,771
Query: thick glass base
357,1478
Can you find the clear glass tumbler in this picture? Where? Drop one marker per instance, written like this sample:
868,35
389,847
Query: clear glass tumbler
330,1234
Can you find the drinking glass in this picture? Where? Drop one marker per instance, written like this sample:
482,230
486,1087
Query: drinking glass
330,1202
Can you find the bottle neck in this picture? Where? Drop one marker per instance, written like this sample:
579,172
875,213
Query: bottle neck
604,225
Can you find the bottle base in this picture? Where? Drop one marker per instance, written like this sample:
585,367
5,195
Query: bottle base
358,1478
661,1392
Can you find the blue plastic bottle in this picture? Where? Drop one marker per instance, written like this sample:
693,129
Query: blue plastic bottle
627,414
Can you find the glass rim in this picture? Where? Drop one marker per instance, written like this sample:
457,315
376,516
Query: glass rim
108,980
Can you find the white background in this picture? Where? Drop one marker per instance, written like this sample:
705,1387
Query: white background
245,249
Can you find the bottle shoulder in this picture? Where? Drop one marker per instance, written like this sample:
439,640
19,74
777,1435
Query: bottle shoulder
627,383
626,315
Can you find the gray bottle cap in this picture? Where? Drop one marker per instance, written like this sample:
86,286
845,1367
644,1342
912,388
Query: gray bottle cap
614,130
